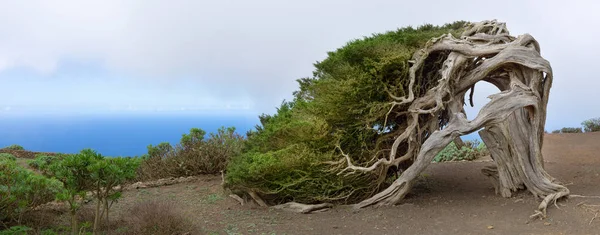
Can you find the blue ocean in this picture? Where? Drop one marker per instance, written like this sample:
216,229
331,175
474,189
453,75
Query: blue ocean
117,135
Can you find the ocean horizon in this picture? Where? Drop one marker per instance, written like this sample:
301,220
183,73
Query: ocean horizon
116,135
111,135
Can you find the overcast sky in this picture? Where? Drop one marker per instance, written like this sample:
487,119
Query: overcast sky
244,56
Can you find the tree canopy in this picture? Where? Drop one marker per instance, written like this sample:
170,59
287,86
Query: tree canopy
343,106
377,111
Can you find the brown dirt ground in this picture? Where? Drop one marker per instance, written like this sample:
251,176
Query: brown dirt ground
450,198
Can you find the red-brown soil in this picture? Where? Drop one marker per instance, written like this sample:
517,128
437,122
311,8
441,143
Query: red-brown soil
450,198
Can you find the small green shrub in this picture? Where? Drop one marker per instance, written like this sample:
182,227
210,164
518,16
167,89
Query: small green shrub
42,162
471,151
75,174
22,190
591,125
14,147
106,174
571,130
88,171
555,131
7,156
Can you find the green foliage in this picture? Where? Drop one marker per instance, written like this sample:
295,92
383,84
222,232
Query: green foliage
194,155
88,171
555,131
344,104
106,174
471,151
591,125
188,141
14,147
42,162
571,130
16,230
161,150
22,190
7,156
284,160
75,173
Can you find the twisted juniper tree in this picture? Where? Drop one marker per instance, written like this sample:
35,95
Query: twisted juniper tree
378,110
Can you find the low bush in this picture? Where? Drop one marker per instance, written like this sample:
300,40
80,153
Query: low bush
75,174
22,190
107,173
591,125
194,155
42,162
571,130
157,217
471,151
14,147
88,171
7,156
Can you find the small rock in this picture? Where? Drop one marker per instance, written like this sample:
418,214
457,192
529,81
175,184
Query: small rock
490,227
546,223
138,185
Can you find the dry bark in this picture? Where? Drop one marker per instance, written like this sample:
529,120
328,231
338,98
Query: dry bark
511,124
302,208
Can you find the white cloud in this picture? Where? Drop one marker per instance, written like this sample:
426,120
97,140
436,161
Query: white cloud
250,52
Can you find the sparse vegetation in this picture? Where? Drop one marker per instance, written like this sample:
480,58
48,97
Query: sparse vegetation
42,162
14,147
84,172
471,151
569,130
591,125
157,217
107,173
22,190
7,156
194,155
74,172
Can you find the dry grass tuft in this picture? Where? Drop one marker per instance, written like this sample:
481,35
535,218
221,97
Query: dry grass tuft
157,217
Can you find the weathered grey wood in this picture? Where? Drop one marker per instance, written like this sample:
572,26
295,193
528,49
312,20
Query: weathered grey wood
302,208
512,122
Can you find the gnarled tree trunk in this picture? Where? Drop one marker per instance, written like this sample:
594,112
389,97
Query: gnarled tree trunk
512,122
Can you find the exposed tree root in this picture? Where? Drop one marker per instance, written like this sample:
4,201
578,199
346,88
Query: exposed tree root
581,196
290,206
237,198
257,199
590,208
592,220
302,208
